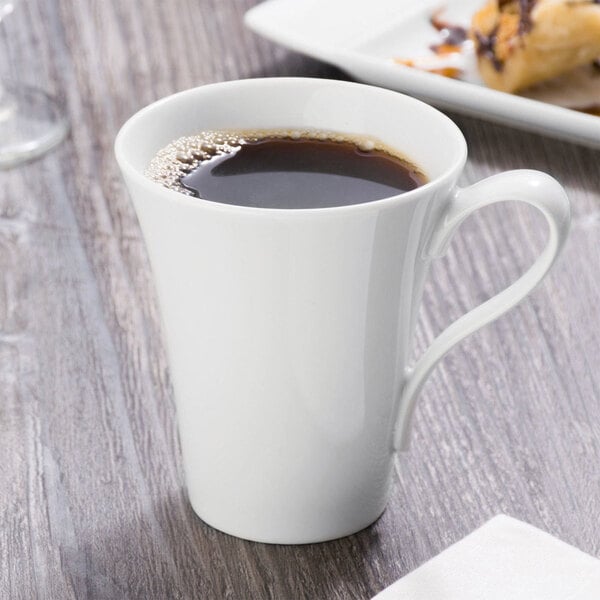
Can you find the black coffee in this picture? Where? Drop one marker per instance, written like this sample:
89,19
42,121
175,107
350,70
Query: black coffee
284,169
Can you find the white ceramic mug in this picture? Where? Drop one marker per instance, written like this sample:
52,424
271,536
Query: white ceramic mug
289,331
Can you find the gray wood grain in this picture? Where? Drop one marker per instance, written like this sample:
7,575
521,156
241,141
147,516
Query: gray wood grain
92,503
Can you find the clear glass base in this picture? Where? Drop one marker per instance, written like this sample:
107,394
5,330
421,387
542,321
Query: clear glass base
31,123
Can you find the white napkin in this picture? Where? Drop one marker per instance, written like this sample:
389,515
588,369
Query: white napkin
504,559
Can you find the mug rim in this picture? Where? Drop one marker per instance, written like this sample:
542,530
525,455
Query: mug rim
450,173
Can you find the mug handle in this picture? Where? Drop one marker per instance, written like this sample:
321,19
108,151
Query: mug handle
532,187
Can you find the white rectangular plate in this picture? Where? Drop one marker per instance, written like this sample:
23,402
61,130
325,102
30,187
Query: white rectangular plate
362,37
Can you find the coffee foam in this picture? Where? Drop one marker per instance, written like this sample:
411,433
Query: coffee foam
185,154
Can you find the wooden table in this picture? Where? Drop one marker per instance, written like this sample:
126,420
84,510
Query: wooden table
92,503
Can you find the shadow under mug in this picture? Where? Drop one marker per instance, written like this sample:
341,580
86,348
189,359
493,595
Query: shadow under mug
288,331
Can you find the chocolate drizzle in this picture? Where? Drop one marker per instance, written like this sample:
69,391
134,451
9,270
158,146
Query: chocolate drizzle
486,46
452,35
525,8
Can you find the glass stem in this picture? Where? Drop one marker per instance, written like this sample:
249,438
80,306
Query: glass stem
6,106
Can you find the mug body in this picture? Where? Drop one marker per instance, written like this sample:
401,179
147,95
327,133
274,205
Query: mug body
288,331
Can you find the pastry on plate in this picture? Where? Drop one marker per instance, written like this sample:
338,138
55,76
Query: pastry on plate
522,42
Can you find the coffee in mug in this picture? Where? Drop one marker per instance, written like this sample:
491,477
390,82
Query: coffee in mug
284,169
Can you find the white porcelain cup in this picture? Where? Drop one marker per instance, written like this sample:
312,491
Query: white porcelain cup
288,331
